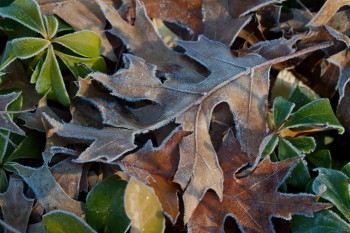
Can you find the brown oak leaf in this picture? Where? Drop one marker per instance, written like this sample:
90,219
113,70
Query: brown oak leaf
253,200
157,167
15,206
6,122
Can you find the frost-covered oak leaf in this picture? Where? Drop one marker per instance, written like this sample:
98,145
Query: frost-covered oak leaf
253,200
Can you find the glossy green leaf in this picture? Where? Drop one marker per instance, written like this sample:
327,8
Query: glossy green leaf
300,176
4,183
321,158
85,43
13,29
8,56
300,97
51,25
28,47
63,26
105,206
31,147
317,114
50,79
37,70
346,169
74,64
281,110
268,145
337,190
303,144
286,150
60,221
324,221
26,12
143,208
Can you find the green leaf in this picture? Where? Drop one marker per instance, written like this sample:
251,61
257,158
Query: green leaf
346,169
300,176
35,75
4,183
337,190
143,208
286,150
50,80
26,12
51,26
29,47
281,110
324,221
8,56
317,114
60,221
85,43
303,144
74,64
301,96
105,206
63,26
31,147
321,158
268,145
14,29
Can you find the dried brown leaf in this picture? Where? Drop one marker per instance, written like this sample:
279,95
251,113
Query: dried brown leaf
167,60
327,11
252,200
68,175
48,192
6,122
16,207
157,167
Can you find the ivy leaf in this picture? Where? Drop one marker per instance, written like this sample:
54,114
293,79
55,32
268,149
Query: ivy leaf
143,208
50,80
321,158
105,206
6,122
15,206
243,199
26,12
65,222
325,221
337,189
84,43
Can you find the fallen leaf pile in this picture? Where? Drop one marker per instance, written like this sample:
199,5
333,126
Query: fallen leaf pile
183,127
